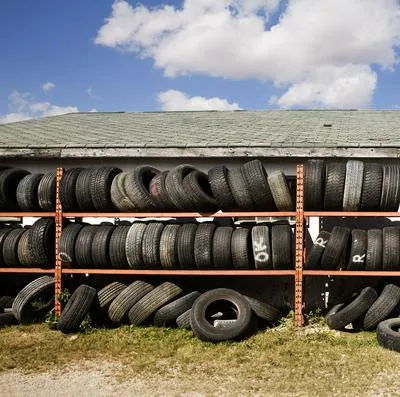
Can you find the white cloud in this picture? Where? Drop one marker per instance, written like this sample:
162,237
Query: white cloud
46,87
315,47
173,100
94,110
22,106
92,95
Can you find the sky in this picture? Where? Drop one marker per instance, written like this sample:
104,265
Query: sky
60,57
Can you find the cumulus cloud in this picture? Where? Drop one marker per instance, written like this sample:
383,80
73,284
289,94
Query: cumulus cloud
22,106
315,48
46,87
173,100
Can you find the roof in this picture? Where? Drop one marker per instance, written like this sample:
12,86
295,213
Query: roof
277,133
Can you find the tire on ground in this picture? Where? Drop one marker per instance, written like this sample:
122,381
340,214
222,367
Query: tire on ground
388,334
264,310
108,293
183,321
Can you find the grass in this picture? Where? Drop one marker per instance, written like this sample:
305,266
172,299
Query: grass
314,360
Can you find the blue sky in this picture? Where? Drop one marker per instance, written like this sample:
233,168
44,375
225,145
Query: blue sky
114,69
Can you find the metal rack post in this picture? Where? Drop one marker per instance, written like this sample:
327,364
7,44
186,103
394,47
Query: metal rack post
298,280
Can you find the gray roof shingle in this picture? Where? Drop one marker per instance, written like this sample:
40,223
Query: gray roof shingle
194,134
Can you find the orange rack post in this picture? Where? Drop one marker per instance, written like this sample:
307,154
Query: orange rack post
58,263
298,279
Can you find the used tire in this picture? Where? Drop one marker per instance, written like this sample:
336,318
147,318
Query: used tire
168,314
264,310
169,258
3,235
218,179
314,182
24,257
9,180
183,321
101,246
203,245
100,188
132,294
335,175
107,294
41,288
335,248
10,247
373,260
388,334
117,247
27,192
353,185
82,189
241,251
239,189
76,309
185,245
314,256
358,251
234,301
222,247
151,245
353,310
280,191
83,246
67,189
159,193
390,196
47,192
41,242
153,301
261,245
133,245
66,245
371,187
391,244
282,247
118,194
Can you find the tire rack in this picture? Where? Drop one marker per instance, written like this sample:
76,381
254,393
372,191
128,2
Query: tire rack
298,273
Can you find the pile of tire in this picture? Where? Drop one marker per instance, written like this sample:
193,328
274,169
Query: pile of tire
183,188
29,246
351,186
170,245
216,315
21,190
357,249
369,310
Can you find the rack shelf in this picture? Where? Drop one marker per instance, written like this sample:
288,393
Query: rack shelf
310,214
351,273
25,270
27,214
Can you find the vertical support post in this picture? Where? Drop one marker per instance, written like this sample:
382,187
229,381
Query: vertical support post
58,262
298,298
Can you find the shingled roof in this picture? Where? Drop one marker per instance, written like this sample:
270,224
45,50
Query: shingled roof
316,133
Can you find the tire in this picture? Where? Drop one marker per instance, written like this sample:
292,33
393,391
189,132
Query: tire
371,187
314,256
6,302
335,248
218,179
118,194
168,314
10,248
137,187
261,245
222,247
353,185
240,245
264,310
151,245
159,194
67,189
100,188
46,192
238,187
76,309
257,184
391,244
335,175
314,181
41,242
390,196
388,334
117,247
373,260
175,190
9,180
198,191
203,246
24,257
133,245
282,247
27,192
41,288
185,246
132,294
358,251
353,310
82,189
151,302
101,247
7,319
83,246
169,247
107,294
3,235
67,241
382,307
183,321
280,191
201,325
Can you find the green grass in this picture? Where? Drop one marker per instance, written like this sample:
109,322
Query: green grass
281,360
